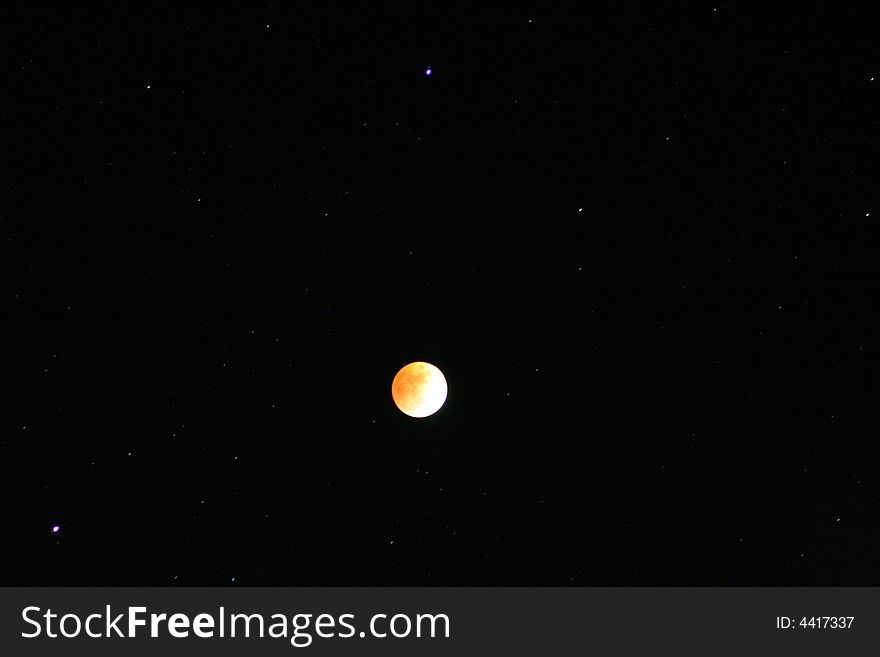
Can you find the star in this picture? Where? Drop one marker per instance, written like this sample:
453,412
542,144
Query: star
427,71
56,529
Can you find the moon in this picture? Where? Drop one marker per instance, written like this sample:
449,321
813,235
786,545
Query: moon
419,389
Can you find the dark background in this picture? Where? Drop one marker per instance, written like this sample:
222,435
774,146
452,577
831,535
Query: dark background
641,243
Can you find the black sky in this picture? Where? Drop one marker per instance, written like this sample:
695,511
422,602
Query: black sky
641,243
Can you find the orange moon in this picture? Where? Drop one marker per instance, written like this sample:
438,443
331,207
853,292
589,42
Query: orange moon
419,389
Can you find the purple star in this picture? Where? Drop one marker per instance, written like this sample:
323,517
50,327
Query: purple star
427,71
56,529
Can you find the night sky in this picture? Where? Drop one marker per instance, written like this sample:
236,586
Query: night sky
642,243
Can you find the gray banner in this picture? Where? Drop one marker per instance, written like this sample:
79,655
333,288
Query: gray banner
479,621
